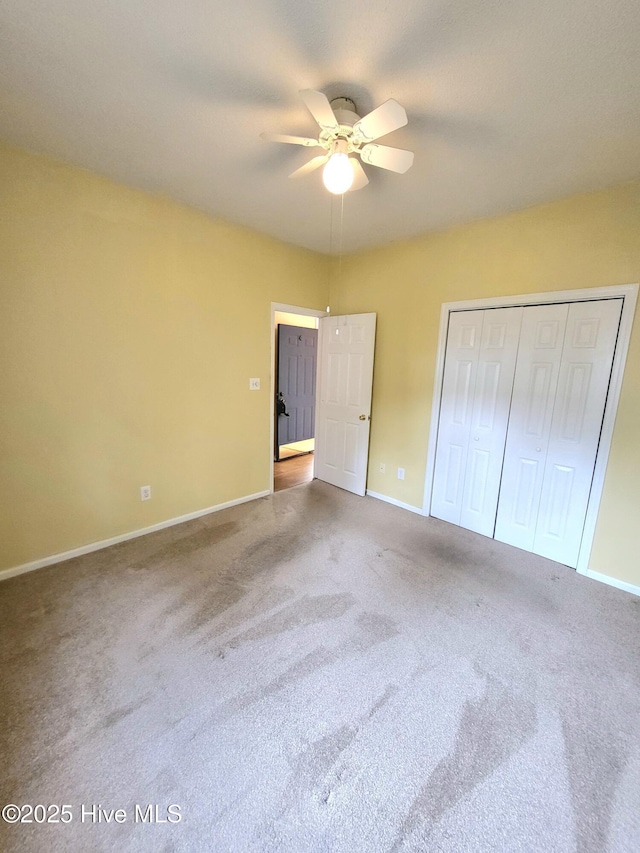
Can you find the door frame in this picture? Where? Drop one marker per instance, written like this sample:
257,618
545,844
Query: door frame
629,295
286,309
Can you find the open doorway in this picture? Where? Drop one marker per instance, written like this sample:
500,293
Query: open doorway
294,347
346,347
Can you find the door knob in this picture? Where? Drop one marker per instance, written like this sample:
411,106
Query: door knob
477,438
363,417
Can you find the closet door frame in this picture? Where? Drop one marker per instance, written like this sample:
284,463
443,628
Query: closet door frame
629,295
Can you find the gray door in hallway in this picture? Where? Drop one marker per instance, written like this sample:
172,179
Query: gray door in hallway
296,387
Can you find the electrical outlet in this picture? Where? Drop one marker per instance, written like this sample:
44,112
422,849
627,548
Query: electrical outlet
254,385
401,473
145,493
383,467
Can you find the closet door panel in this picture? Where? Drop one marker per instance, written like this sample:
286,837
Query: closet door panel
587,358
456,407
490,414
529,429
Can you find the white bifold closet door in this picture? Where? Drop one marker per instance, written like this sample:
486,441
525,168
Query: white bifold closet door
476,394
523,398
560,390
534,393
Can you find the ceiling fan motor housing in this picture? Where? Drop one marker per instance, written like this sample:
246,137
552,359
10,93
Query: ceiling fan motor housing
344,110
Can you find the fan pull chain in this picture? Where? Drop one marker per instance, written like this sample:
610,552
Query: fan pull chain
330,240
341,227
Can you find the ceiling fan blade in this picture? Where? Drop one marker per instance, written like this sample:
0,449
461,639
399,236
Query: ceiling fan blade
394,159
310,166
318,105
384,119
292,140
360,178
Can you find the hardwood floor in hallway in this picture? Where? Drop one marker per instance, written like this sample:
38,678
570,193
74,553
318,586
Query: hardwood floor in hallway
292,472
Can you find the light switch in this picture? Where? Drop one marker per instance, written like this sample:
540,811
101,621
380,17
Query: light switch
254,385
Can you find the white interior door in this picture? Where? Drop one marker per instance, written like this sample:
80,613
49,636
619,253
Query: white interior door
561,419
534,391
476,393
523,399
492,399
345,362
456,408
583,383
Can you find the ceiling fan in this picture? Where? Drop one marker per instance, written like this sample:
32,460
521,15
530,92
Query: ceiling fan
344,136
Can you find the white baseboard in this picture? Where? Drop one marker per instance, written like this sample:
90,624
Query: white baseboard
627,587
393,501
124,537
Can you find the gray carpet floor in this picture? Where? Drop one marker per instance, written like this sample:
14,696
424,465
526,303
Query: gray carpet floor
319,672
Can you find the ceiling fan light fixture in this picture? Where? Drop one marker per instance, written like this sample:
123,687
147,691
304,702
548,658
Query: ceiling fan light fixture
347,139
338,175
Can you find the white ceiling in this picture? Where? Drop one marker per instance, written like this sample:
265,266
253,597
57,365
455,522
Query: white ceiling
510,102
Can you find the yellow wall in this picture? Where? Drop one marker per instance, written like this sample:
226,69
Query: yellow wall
589,240
129,328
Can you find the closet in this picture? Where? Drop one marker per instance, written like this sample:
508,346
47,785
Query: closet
523,398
